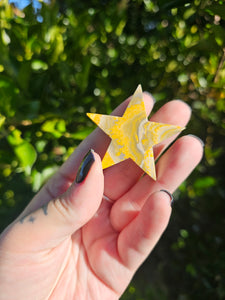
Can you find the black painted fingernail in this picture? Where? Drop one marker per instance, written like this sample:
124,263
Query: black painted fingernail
85,166
171,196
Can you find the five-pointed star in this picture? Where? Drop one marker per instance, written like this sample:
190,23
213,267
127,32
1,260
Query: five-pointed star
132,135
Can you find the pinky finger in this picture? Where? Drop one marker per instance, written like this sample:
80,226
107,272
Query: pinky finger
140,236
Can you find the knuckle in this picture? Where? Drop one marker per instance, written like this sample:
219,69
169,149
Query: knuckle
63,209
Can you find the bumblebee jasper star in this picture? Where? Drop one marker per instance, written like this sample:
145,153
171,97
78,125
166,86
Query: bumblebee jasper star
133,136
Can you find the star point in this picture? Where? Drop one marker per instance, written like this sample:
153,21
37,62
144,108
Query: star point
132,135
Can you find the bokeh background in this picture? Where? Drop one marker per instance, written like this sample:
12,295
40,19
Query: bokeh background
60,59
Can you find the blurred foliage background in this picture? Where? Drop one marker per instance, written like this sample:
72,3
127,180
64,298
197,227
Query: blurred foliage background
60,59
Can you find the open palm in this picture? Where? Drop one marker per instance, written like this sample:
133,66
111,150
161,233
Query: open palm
86,240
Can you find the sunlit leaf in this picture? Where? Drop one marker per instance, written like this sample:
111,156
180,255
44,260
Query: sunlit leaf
2,120
82,134
26,154
39,65
55,126
39,178
205,182
14,138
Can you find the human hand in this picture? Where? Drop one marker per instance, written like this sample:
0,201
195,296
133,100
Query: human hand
71,242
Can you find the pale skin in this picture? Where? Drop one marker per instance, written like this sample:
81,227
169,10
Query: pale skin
72,243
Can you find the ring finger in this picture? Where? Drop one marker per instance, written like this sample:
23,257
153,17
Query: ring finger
172,169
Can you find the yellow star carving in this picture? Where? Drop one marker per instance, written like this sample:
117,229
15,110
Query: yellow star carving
132,135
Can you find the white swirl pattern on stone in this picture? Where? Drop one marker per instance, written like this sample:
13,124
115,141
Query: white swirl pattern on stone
133,136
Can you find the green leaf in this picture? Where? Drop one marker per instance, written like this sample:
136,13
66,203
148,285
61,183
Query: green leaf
39,178
217,9
81,135
120,27
190,268
27,155
14,138
39,65
56,127
2,120
205,182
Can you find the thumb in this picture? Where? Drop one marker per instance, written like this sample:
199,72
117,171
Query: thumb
60,218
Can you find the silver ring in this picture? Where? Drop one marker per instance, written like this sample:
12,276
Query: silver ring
171,196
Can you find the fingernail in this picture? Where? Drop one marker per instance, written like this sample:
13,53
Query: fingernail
198,138
170,195
150,95
85,166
